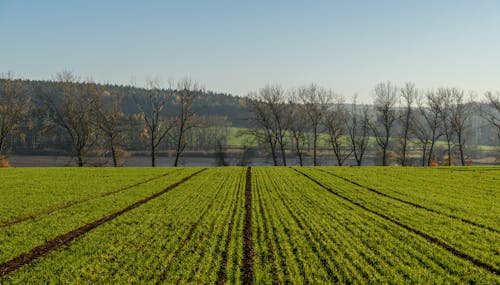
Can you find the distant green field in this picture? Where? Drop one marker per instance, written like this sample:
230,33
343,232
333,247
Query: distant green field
258,225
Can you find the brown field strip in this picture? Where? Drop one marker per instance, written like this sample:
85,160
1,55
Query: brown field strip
248,274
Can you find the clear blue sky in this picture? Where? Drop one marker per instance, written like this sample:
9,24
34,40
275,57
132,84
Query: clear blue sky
239,46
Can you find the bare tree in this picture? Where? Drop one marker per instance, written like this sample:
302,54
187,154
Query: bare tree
459,117
315,101
358,127
276,100
272,113
420,129
491,112
427,124
445,110
385,102
297,128
187,90
152,105
110,120
13,106
71,109
262,124
335,124
408,95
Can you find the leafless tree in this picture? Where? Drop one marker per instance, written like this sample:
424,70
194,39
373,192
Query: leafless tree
460,113
262,128
408,95
335,124
152,105
315,101
427,124
491,112
110,120
71,110
187,91
13,106
445,110
297,128
385,102
421,131
271,112
358,127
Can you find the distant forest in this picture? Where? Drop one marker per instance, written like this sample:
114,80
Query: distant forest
403,126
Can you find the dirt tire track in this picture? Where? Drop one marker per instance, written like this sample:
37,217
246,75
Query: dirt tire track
64,239
247,276
420,233
411,203
72,203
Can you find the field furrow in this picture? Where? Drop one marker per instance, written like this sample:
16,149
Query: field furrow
178,237
22,237
474,243
464,194
348,222
252,225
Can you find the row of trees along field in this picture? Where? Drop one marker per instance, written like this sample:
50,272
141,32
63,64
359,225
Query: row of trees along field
399,117
88,119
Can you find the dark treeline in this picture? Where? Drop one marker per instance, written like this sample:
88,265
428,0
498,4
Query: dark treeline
85,119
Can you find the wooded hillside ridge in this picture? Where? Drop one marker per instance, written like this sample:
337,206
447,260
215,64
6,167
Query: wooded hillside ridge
84,118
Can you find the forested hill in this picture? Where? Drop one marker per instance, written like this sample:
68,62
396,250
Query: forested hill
207,104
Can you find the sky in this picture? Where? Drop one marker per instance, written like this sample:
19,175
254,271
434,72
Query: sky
240,46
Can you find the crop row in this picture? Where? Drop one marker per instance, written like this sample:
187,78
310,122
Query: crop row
20,238
192,234
477,242
306,234
29,192
467,194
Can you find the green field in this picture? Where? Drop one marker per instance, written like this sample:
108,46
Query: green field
259,225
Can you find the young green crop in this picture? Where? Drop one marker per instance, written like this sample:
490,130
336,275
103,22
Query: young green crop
308,225
19,238
26,192
472,240
180,237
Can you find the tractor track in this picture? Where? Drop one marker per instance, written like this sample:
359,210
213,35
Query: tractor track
73,203
411,203
65,239
420,233
247,276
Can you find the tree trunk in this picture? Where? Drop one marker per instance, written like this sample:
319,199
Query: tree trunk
113,153
424,155
283,154
461,149
431,150
153,152
80,159
179,143
315,144
299,153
